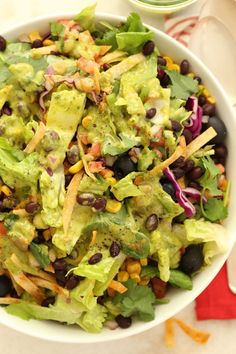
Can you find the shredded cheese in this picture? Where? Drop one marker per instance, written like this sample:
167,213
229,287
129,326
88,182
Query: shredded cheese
169,333
198,336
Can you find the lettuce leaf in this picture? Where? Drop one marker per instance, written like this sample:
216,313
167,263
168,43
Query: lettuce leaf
214,236
86,18
92,321
125,188
84,293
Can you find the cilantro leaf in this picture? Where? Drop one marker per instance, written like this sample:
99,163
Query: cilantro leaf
181,86
57,29
209,179
214,210
138,300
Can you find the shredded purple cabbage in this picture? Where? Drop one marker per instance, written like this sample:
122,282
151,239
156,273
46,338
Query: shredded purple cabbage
195,194
195,125
182,199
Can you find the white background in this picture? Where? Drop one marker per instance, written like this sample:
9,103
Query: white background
150,342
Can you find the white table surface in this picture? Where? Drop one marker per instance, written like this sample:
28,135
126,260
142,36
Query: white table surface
151,342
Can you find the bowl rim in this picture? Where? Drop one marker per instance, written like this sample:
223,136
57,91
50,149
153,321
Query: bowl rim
161,9
133,330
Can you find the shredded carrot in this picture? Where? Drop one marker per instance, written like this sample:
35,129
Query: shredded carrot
117,286
178,152
70,200
169,333
200,141
36,138
220,168
198,336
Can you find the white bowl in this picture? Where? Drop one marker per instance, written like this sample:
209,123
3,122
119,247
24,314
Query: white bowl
178,298
161,9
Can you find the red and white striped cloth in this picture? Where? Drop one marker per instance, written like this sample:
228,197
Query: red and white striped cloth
181,24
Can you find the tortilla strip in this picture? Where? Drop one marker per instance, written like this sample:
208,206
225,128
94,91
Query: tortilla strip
198,336
48,285
178,152
70,200
36,138
40,273
96,80
115,56
28,286
169,333
9,300
16,286
200,141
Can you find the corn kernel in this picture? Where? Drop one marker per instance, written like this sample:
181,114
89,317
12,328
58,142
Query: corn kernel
113,206
76,167
206,92
144,281
169,61
47,42
111,181
107,173
47,234
86,122
123,276
6,190
211,100
34,35
135,277
133,267
143,261
173,67
191,75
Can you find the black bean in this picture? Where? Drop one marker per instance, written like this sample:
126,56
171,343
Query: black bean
221,151
106,66
39,239
151,222
73,154
5,285
68,178
72,281
201,100
49,171
160,73
61,277
199,79
148,48
192,259
209,109
188,165
3,44
169,188
180,162
194,184
100,300
220,129
165,81
95,258
114,249
184,67
99,204
176,126
150,113
48,301
37,43
161,61
123,166
6,109
188,135
159,287
195,173
123,322
60,264
178,172
32,207
85,199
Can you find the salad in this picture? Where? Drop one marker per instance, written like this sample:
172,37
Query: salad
112,165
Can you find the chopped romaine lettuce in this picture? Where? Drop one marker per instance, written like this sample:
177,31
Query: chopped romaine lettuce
126,188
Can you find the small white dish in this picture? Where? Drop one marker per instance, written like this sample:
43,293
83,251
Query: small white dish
160,9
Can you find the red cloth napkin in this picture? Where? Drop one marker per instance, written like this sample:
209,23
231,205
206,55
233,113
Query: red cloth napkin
216,301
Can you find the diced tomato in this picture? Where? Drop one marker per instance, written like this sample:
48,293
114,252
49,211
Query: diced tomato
68,23
95,150
160,139
95,166
3,230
